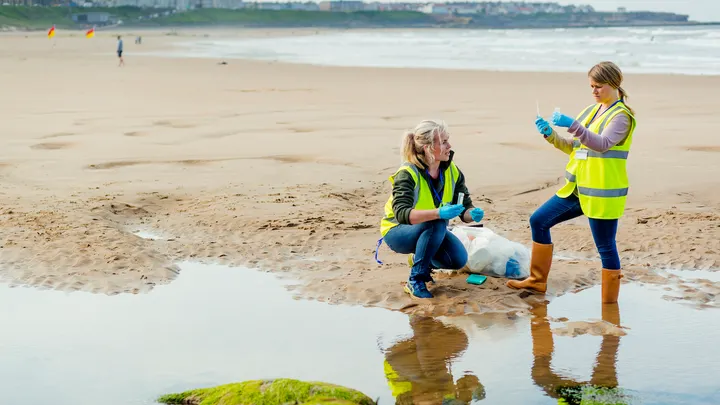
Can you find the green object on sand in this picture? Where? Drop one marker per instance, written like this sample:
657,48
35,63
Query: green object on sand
270,392
476,279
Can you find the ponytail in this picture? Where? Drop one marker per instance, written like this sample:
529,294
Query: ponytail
408,149
623,97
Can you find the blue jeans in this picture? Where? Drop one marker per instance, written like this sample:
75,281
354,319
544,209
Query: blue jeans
557,210
434,246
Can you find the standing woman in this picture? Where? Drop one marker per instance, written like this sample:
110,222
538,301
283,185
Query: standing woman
596,180
424,198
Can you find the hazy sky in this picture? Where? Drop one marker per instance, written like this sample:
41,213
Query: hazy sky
699,10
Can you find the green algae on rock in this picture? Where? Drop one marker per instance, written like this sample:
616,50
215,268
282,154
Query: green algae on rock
591,395
270,392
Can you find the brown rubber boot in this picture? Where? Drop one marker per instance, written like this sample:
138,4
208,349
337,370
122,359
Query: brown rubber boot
610,285
540,262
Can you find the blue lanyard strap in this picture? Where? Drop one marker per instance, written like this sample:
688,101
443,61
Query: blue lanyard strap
598,110
377,249
442,184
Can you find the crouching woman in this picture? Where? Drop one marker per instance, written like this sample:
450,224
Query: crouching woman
424,199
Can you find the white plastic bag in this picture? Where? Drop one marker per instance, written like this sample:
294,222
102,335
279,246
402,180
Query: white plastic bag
493,255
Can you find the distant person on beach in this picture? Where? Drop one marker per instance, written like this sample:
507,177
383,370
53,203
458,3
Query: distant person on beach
596,180
120,51
425,191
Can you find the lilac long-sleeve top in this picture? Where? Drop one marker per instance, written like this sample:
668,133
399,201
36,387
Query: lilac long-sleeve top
615,132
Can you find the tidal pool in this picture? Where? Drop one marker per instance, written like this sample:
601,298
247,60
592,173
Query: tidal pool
217,324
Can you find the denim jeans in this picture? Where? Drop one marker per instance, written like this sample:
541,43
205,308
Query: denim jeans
434,247
557,210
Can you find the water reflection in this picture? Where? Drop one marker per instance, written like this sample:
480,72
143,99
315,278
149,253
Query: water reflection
604,374
215,324
418,368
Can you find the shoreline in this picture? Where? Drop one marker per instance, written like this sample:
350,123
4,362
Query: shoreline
215,26
183,48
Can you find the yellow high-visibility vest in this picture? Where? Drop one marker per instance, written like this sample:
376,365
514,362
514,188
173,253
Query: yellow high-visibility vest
397,385
600,178
423,194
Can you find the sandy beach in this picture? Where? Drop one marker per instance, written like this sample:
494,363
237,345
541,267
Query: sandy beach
284,167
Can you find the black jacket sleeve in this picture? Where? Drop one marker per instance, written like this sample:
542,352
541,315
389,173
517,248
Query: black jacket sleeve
403,196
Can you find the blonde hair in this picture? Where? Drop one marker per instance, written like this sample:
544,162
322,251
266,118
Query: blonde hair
418,145
610,74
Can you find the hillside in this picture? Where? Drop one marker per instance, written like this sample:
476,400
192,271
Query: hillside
44,17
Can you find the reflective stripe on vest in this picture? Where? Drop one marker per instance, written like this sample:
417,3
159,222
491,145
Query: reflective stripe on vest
601,179
423,198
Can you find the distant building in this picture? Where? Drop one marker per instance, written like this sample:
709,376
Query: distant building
342,5
622,10
436,9
92,17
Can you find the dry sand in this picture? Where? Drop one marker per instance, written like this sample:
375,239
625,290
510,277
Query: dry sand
283,167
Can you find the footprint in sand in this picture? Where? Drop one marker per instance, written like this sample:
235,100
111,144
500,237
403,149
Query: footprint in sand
703,148
302,130
526,146
220,134
186,162
51,145
112,165
173,124
57,135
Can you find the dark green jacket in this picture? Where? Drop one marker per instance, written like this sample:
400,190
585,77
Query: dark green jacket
404,191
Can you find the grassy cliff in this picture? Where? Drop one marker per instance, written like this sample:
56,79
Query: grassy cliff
44,17
290,18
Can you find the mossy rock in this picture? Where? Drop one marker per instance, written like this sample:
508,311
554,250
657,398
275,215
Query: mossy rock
270,392
591,395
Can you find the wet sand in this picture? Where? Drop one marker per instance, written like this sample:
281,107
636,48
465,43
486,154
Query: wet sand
283,167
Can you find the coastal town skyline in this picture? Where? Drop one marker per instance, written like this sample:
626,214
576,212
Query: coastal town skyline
698,10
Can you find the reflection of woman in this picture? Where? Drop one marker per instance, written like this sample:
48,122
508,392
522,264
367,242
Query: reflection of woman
596,180
417,369
556,386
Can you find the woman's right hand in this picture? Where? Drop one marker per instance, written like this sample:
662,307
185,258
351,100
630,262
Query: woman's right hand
450,211
543,127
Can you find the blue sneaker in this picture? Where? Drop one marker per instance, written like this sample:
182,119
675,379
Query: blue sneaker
417,289
428,278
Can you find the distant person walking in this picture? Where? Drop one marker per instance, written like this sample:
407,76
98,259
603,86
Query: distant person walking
120,51
596,180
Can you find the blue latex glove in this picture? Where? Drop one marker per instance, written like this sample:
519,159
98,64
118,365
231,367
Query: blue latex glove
477,214
512,268
562,120
450,211
543,127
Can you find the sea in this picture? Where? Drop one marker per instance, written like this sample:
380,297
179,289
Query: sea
690,50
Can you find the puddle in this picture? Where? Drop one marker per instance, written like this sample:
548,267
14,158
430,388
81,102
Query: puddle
216,324
148,235
695,275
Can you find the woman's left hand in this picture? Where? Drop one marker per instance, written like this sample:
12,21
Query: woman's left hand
477,214
562,120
